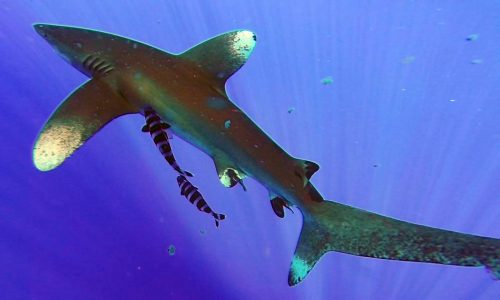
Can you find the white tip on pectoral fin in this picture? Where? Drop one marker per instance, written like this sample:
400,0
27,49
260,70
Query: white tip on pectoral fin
224,54
80,116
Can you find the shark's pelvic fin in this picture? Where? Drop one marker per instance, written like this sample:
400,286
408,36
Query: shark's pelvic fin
305,170
331,226
222,55
229,175
84,112
308,168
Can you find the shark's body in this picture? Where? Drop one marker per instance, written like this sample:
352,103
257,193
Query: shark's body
187,91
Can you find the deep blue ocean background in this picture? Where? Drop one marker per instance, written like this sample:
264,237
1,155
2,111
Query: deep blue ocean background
408,127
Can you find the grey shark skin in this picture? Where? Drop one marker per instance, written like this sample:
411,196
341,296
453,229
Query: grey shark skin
188,92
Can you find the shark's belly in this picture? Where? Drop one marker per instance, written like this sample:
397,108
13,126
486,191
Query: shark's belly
230,136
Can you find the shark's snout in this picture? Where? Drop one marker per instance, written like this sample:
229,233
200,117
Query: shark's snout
42,29
67,41
52,33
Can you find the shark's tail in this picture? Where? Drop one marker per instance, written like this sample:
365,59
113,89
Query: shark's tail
331,226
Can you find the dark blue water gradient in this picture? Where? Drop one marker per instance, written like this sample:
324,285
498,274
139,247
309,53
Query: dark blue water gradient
408,128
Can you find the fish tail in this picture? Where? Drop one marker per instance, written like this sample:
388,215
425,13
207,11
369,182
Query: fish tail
191,193
331,226
493,266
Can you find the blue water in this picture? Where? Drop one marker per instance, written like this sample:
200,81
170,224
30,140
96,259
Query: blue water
408,127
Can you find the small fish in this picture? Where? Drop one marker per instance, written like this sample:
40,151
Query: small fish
191,193
472,37
156,128
327,80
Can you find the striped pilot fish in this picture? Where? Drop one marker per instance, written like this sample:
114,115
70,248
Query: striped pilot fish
157,128
191,193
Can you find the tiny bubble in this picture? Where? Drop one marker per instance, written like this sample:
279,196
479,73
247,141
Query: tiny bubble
171,250
408,59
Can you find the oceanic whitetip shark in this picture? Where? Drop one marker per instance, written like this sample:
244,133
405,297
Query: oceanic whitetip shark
188,92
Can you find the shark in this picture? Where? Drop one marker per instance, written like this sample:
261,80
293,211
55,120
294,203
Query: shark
187,91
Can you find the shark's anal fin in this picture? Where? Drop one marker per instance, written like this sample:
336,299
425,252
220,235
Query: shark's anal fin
222,55
278,204
84,112
229,176
331,226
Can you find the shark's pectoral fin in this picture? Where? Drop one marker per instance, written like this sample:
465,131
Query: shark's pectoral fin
80,116
222,55
331,226
229,176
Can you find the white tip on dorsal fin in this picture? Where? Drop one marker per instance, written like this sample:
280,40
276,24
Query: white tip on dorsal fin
224,54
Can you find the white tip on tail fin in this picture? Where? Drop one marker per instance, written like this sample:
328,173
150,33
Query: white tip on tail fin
331,226
224,54
79,117
309,250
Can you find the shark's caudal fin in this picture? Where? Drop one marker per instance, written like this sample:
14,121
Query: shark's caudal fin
222,55
331,226
79,117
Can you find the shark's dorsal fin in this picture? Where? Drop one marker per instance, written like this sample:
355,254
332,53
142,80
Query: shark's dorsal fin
79,117
223,55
